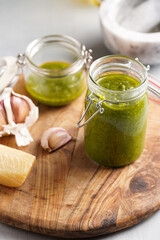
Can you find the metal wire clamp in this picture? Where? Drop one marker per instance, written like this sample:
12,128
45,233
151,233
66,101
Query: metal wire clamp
87,56
98,105
21,62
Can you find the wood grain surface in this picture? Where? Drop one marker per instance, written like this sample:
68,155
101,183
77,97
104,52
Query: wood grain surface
68,195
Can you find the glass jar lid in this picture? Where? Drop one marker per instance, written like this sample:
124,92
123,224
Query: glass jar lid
8,71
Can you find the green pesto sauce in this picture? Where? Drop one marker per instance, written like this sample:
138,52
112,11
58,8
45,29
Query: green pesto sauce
55,65
56,91
118,82
116,137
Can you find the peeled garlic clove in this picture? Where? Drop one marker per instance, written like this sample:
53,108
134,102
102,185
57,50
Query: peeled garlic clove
20,109
54,138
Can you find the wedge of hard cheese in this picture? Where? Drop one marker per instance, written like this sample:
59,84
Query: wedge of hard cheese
15,166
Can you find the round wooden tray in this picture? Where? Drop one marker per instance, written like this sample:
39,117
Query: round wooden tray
68,195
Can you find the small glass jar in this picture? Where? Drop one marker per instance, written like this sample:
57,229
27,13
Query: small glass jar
116,121
55,69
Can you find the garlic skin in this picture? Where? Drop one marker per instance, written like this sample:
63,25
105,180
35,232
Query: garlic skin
3,117
54,138
16,119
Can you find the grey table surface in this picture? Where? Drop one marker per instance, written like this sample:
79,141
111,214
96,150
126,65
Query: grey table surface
22,21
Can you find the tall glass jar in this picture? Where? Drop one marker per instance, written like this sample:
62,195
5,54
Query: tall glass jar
116,120
55,69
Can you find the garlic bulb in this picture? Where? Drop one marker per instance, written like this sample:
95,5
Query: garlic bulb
17,113
54,138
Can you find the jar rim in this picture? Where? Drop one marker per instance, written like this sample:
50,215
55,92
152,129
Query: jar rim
93,85
74,67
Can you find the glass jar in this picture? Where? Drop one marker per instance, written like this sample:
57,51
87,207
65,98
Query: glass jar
116,120
55,69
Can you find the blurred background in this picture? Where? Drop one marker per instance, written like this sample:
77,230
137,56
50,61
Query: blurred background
23,21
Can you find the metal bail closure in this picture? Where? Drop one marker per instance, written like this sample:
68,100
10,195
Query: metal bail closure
146,67
98,105
87,56
152,85
21,61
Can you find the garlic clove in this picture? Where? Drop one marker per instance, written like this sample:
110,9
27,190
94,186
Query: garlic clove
58,139
54,138
20,109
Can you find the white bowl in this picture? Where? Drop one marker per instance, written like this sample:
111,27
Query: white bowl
120,39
